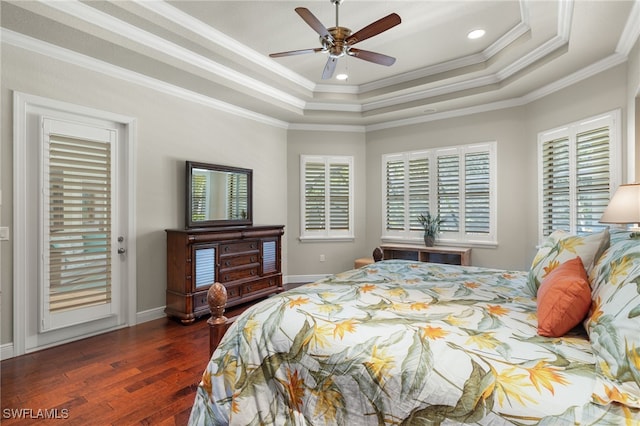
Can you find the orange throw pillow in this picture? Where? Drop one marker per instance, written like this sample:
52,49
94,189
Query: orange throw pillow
564,298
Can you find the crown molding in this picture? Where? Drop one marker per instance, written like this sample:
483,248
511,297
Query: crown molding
95,17
461,112
571,79
630,35
107,22
509,37
631,31
328,127
47,49
201,29
589,71
59,53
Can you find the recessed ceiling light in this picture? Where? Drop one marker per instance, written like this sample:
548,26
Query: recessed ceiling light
342,76
475,34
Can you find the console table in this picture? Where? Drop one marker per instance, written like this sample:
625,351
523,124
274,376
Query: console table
435,254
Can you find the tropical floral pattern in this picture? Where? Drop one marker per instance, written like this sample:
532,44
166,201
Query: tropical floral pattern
402,343
561,246
614,323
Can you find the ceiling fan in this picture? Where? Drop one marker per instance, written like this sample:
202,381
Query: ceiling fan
338,41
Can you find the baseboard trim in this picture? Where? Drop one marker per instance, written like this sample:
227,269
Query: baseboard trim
150,315
296,279
6,351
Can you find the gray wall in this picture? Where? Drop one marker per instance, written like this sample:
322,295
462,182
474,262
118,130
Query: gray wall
169,131
304,257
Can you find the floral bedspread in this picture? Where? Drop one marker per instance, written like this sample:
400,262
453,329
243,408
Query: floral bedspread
401,342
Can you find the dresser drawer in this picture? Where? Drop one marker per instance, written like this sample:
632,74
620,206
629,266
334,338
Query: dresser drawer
200,301
200,298
228,275
233,261
255,286
239,247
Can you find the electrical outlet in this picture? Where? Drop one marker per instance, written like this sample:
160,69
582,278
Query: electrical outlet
322,258
4,233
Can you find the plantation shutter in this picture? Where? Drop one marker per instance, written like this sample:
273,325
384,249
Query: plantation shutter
205,266
238,196
449,192
395,195
79,230
327,195
199,197
477,193
339,196
592,178
556,185
418,190
579,166
314,196
454,183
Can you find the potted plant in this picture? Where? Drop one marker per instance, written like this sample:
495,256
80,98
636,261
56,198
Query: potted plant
431,226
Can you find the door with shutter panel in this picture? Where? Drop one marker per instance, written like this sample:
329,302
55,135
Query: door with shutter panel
77,281
79,289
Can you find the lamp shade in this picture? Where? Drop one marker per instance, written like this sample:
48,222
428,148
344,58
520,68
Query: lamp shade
624,207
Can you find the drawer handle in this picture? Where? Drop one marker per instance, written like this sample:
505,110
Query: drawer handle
253,246
227,263
227,248
253,272
248,289
226,277
253,258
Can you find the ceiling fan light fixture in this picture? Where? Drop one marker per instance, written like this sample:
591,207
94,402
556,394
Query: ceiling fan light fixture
476,34
338,41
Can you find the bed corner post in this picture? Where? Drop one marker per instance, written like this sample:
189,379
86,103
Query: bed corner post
216,299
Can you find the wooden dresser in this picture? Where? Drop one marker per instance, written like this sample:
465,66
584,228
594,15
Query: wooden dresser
245,259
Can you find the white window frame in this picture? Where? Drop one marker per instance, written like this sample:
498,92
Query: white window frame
610,119
445,238
326,234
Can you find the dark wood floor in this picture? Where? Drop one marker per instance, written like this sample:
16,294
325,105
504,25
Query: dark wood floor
145,374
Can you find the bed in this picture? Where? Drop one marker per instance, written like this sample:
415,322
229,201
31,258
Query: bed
401,342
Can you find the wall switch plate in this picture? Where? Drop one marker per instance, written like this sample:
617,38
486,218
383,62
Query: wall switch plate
4,233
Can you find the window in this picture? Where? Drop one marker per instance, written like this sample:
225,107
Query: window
327,200
578,168
454,182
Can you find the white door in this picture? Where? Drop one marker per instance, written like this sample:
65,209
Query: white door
74,281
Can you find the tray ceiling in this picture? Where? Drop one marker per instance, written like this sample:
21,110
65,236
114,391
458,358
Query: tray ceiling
218,51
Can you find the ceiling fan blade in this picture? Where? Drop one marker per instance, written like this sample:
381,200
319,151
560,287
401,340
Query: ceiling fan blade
374,57
295,52
374,28
329,68
313,22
